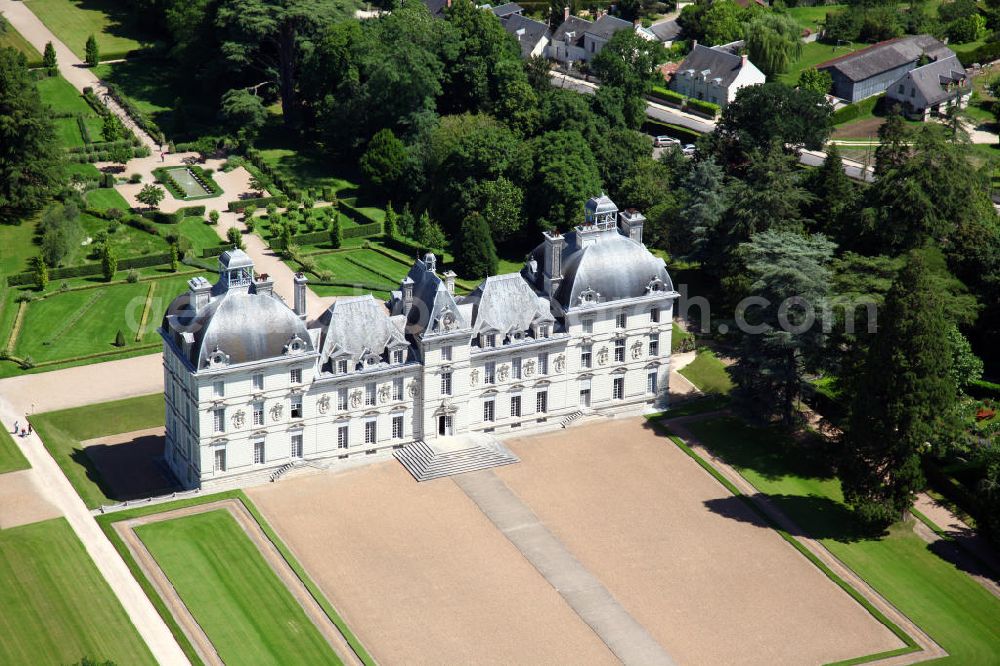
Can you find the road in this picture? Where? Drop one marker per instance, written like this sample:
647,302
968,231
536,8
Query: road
668,114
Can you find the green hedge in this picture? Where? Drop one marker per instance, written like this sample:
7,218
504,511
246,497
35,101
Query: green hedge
191,211
208,252
657,128
981,388
140,118
668,96
984,54
846,114
260,202
160,217
362,230
85,270
701,106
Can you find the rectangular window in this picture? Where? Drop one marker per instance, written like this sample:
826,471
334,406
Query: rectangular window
397,388
446,353
296,406
654,315
489,410
618,388
342,438
342,399
369,394
901,88
258,382
258,413
296,446
370,432
515,368
651,383
445,383
490,340
619,350
621,319
219,420
296,375
219,389
515,405
258,452
585,397
342,366
542,402
543,331
588,325
220,460
654,344
543,364
490,373
397,356
586,356
397,427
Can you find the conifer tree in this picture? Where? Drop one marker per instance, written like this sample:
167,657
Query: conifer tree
93,55
475,256
893,146
336,235
835,195
389,227
173,258
905,400
109,262
49,59
41,273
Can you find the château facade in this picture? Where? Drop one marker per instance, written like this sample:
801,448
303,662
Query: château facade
252,386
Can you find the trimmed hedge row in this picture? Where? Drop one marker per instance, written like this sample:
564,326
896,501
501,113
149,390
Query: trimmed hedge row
260,202
846,114
103,145
90,154
667,96
85,270
362,230
701,106
671,98
208,252
140,118
980,388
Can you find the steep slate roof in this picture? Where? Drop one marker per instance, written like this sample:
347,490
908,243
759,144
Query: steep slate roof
506,303
573,24
508,9
534,31
717,64
933,79
608,25
430,300
887,55
356,325
436,7
666,31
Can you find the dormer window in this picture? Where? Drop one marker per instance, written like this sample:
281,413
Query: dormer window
397,356
218,357
341,366
489,340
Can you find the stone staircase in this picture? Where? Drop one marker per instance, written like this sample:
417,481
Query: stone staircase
468,454
285,469
570,418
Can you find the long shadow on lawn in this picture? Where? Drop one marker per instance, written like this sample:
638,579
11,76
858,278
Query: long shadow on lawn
815,517
121,22
963,560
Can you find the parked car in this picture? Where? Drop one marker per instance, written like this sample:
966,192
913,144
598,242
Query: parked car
688,149
665,141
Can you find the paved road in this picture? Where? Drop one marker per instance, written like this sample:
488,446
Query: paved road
623,635
674,116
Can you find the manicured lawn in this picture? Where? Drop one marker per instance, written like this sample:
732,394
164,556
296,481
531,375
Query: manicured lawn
104,198
201,234
68,133
244,608
127,241
55,607
708,373
308,171
812,17
62,432
85,170
13,39
72,21
17,241
11,458
58,93
345,271
814,54
944,601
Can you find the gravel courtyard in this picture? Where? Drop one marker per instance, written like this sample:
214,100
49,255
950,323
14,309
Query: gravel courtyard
422,576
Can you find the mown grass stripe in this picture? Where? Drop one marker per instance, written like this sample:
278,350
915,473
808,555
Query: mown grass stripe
145,312
15,331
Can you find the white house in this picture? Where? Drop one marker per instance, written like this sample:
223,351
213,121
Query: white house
931,88
714,74
252,388
578,39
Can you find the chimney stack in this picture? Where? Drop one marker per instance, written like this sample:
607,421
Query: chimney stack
263,285
631,222
744,63
407,288
300,295
201,292
552,270
566,13
449,281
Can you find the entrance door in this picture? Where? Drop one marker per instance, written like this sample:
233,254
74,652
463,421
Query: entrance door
444,425
585,397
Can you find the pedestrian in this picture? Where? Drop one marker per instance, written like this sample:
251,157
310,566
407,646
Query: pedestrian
24,433
162,158
30,429
17,425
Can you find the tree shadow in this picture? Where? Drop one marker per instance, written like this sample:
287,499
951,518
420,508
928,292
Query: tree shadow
814,516
120,19
962,557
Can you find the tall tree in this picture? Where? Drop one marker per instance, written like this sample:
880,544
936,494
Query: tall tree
774,113
566,176
893,143
475,255
773,42
815,80
49,61
61,233
243,111
29,155
784,336
384,162
908,400
91,52
109,262
704,206
629,62
834,196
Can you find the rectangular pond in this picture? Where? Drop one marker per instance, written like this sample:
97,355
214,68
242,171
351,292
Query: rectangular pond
188,182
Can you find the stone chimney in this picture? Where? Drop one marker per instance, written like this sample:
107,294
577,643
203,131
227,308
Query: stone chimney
694,43
431,262
449,281
300,295
201,292
566,13
552,270
263,285
630,221
744,58
407,288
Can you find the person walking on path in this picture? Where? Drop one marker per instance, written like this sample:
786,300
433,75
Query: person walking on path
30,428
16,426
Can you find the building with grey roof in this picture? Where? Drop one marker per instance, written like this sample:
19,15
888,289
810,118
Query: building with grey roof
931,88
532,36
715,74
873,69
507,9
578,39
666,31
253,389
